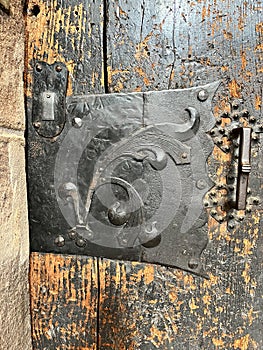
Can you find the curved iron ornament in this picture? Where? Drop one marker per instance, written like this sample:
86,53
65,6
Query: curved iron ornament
130,177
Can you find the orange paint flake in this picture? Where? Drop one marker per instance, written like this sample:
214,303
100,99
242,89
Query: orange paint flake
235,90
193,305
247,247
242,343
259,27
245,273
218,342
243,60
259,47
227,35
207,299
257,102
203,13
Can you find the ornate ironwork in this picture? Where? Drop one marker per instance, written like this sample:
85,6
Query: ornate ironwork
125,178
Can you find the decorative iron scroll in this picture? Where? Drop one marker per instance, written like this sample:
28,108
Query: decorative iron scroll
125,178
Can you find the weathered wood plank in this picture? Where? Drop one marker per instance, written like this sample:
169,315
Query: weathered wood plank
64,294
152,307
177,44
69,32
64,288
156,45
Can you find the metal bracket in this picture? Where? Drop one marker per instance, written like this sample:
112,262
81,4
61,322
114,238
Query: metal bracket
126,174
49,98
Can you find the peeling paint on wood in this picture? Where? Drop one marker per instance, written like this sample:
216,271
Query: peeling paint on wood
64,297
158,45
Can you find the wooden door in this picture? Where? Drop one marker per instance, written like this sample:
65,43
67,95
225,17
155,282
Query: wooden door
80,302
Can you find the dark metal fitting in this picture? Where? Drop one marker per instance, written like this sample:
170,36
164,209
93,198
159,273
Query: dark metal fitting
77,122
235,104
193,264
58,68
80,242
38,67
202,95
72,234
231,225
245,113
60,241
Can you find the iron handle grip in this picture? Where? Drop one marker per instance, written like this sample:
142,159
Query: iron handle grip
244,166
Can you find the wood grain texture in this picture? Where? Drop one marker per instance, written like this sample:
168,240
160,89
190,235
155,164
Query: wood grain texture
64,296
178,44
69,32
64,289
155,45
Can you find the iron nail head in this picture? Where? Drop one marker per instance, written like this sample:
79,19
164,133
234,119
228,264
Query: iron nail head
202,95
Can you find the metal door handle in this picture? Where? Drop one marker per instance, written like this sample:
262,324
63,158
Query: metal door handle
244,166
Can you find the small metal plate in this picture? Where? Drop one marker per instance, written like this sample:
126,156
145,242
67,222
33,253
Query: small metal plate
125,178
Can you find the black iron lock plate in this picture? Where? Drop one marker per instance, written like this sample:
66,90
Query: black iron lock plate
119,175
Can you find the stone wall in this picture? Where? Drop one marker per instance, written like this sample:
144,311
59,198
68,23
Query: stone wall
14,244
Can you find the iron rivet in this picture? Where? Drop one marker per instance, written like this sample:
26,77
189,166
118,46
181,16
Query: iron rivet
201,184
60,241
220,186
202,95
72,234
48,96
193,264
248,210
80,242
38,67
231,216
90,234
215,202
213,193
241,218
220,219
245,113
77,122
231,188
231,225
37,125
206,204
235,116
252,119
225,115
235,104
184,155
124,242
218,121
256,201
213,212
58,68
